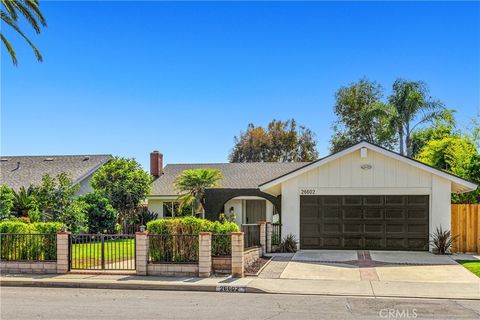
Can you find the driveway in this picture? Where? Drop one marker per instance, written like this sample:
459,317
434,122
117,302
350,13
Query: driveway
383,266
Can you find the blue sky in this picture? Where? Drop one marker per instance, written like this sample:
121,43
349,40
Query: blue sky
184,78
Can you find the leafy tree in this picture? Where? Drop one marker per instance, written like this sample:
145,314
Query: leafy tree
7,197
125,184
443,127
191,185
361,115
56,201
30,10
411,106
100,213
457,155
281,141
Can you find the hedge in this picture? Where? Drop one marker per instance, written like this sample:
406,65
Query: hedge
221,245
24,247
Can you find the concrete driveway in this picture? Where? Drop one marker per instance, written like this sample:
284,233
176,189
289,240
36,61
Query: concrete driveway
375,266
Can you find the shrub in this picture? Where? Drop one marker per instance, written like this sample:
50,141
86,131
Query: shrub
442,240
288,244
192,225
101,215
7,196
28,247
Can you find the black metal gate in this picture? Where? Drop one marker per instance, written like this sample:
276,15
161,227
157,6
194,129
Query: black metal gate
102,251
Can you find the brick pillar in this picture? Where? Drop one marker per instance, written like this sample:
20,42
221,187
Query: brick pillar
263,235
269,228
237,255
141,253
204,254
62,252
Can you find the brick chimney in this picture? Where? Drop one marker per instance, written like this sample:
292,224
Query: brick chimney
156,163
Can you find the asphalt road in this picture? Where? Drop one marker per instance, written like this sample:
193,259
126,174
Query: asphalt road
71,303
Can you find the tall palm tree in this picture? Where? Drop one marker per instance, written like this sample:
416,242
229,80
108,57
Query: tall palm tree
191,185
29,9
410,106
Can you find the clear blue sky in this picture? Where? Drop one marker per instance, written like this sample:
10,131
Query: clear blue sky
184,78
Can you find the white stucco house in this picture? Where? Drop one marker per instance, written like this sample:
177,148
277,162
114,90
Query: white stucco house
363,197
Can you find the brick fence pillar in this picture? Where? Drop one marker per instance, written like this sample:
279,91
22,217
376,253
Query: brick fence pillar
237,255
62,252
263,236
204,254
141,253
269,229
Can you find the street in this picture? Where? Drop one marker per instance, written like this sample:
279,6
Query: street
74,303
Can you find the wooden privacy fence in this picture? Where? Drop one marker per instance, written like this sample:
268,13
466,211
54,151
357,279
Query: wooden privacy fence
466,225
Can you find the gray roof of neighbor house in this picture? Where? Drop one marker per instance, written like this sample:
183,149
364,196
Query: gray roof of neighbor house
235,175
18,171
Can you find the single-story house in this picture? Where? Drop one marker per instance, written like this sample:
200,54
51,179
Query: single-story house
363,197
23,171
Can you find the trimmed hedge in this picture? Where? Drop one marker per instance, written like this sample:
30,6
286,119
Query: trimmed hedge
25,247
190,225
221,245
37,227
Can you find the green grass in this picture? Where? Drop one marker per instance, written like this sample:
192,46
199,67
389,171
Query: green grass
473,266
90,254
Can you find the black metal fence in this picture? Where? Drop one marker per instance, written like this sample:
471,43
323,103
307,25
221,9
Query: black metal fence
221,245
251,235
176,248
102,251
28,246
276,234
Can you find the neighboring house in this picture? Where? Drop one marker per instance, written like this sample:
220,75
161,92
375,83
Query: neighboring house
363,197
23,171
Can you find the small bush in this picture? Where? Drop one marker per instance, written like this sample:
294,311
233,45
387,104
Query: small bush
442,241
37,227
100,214
288,244
192,225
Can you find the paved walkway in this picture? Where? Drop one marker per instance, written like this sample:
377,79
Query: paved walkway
406,289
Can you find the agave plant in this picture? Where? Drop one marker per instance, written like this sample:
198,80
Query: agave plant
442,240
288,244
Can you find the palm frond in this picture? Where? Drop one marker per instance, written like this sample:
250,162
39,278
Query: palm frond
9,49
14,26
9,6
30,10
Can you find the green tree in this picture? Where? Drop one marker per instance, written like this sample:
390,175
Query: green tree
361,115
56,201
7,197
457,155
191,185
411,106
30,10
281,141
125,184
443,127
24,200
100,213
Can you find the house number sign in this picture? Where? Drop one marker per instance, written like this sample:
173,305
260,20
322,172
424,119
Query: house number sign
308,191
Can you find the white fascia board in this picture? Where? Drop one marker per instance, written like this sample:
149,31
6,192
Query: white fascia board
468,186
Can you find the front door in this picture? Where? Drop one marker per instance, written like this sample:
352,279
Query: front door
255,210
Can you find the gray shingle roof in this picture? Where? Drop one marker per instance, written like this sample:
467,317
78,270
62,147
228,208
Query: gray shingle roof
235,175
17,171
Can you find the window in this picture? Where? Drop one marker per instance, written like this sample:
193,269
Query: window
172,209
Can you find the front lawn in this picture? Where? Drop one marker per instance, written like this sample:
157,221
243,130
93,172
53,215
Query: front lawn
89,255
472,265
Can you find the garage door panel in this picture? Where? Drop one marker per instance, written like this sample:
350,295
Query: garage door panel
352,213
356,228
373,214
395,214
364,222
332,228
331,213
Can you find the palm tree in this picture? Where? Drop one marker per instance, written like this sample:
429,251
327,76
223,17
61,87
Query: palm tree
191,185
409,102
11,10
23,200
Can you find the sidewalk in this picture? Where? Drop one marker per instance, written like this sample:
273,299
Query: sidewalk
404,289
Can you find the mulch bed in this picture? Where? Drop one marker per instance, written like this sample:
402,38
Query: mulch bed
256,266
